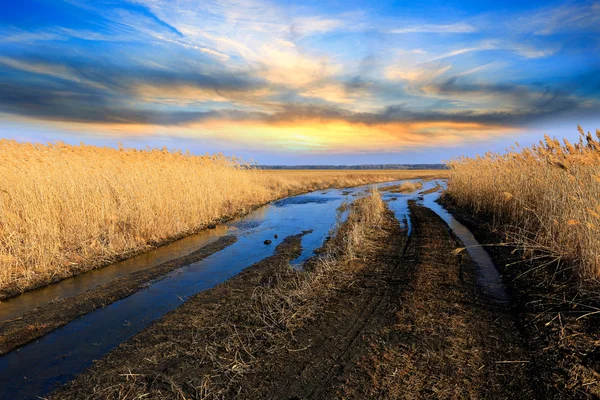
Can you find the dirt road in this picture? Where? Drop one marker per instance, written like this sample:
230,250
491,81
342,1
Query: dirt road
413,325
410,324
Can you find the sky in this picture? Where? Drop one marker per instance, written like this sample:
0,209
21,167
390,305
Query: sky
300,82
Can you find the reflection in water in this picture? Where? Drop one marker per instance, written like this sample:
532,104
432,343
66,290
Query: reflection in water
303,199
488,276
27,301
398,202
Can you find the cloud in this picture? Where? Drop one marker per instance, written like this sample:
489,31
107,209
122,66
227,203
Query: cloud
336,93
519,100
315,24
15,35
283,63
459,27
78,90
343,136
420,74
299,78
528,51
584,16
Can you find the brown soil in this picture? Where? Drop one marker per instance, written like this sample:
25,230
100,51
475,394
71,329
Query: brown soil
412,325
552,309
446,340
409,323
203,340
44,319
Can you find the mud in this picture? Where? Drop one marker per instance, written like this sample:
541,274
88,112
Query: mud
412,323
552,309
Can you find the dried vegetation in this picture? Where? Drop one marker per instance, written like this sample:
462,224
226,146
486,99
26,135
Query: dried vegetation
406,187
546,197
66,209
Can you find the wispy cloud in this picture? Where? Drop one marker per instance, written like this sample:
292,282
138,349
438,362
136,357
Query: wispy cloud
571,16
459,27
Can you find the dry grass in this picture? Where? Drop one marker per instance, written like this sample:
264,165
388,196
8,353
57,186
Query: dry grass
406,187
548,194
66,209
295,297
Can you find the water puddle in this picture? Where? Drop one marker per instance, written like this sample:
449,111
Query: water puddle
304,199
27,301
487,276
40,366
398,202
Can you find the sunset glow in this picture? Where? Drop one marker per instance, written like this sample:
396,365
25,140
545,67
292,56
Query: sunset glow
297,80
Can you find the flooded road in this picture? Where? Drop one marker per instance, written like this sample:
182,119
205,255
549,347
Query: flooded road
487,274
40,366
488,277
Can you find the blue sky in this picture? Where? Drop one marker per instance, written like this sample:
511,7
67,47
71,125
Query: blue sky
300,81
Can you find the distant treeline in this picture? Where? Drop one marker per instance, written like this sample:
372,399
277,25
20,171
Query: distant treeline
357,167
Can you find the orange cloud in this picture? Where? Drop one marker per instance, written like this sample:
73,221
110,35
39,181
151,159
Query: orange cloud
321,135
340,136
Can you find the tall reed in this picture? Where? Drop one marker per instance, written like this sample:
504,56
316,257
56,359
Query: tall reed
66,209
548,194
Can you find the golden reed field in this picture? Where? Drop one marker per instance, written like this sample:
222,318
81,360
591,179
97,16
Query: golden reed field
66,209
549,195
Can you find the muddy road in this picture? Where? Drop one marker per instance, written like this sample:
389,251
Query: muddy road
405,315
413,322
51,334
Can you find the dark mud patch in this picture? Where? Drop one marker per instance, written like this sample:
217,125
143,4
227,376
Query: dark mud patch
44,319
552,310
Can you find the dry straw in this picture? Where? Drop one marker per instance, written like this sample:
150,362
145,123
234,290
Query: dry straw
65,209
549,194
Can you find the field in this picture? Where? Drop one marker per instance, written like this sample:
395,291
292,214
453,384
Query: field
352,291
67,209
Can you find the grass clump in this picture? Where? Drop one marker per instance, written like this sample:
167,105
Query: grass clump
406,187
